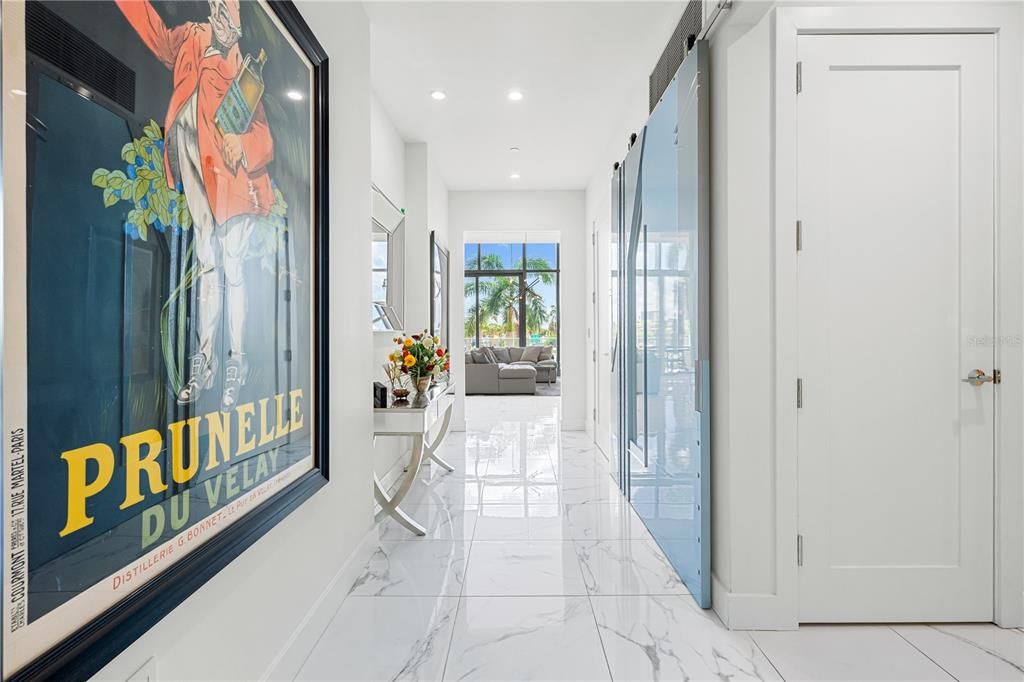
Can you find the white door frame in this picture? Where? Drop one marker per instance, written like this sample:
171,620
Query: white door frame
1005,22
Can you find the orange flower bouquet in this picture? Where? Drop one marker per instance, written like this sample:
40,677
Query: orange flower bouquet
420,357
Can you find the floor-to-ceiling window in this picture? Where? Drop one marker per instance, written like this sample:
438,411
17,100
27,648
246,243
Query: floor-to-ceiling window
511,295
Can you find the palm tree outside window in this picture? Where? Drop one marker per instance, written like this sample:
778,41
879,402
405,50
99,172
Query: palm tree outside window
507,284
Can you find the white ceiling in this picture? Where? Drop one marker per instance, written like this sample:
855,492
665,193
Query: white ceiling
577,64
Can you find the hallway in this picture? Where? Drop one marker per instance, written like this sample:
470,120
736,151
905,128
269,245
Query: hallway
535,569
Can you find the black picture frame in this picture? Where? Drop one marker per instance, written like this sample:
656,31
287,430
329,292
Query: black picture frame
82,654
440,262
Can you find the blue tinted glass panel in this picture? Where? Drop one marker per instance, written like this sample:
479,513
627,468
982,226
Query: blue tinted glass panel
501,256
469,312
542,309
670,492
541,256
470,256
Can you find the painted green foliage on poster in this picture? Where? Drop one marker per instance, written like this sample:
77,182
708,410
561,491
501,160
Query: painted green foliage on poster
154,203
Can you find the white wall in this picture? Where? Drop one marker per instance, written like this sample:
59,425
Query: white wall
743,536
238,623
387,154
598,217
527,211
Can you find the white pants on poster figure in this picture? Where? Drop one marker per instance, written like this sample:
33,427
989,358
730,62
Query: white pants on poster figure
220,249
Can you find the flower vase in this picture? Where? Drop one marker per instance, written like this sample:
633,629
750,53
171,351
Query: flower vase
422,384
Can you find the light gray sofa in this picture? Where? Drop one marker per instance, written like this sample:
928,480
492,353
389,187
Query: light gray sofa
503,371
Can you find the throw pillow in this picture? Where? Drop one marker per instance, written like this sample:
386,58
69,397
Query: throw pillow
532,353
547,354
491,360
480,356
502,355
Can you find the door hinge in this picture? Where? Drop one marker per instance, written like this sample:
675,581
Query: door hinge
799,392
593,355
799,550
799,77
997,376
595,414
799,235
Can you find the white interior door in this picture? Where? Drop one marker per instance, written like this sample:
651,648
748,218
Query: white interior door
896,190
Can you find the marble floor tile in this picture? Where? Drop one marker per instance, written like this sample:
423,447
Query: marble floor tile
520,522
623,567
384,638
846,652
422,568
523,568
441,523
589,491
569,468
604,521
518,492
536,568
444,492
669,637
525,638
976,651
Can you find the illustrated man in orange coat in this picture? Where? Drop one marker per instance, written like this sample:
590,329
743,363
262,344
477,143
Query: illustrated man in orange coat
223,176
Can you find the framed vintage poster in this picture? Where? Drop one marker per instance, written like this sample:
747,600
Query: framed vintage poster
164,293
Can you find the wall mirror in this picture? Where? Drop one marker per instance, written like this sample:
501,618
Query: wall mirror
388,248
439,293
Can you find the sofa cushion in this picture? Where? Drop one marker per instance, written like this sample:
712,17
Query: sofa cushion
469,358
517,372
532,353
482,357
524,362
548,353
548,363
515,352
501,355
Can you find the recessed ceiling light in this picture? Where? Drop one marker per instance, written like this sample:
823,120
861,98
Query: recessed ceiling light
513,149
438,95
515,95
514,176
294,95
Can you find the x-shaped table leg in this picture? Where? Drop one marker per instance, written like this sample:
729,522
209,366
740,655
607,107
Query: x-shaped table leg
389,505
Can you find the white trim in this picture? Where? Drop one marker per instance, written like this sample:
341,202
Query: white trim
1005,21
754,611
296,649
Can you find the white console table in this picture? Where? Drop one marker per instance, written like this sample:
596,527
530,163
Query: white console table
412,419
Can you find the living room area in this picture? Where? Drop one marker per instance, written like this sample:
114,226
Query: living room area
512,314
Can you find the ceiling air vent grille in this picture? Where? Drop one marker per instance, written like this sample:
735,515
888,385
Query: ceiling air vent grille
678,45
64,46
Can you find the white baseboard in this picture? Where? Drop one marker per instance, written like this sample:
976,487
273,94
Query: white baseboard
573,425
749,611
1011,618
296,649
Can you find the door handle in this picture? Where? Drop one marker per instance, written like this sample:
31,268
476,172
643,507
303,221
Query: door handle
977,377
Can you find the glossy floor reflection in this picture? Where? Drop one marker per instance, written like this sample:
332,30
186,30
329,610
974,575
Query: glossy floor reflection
534,569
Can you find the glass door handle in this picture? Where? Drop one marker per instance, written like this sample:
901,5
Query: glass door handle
977,377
